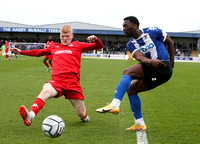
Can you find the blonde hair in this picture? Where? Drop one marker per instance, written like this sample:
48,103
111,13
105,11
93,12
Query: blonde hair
66,29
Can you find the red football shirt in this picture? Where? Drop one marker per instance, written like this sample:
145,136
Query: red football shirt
48,45
66,59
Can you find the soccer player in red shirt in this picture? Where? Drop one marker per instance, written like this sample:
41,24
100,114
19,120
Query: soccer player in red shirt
6,49
65,73
48,57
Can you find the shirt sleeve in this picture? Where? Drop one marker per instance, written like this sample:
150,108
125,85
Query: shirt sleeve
161,34
37,52
91,46
131,47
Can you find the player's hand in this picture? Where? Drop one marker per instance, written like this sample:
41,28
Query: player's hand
157,63
92,38
16,50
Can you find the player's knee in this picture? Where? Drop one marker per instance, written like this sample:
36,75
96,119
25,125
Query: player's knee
130,92
46,92
127,72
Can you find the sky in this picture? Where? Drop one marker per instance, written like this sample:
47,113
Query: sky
169,15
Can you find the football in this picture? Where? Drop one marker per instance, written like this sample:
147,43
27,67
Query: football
53,126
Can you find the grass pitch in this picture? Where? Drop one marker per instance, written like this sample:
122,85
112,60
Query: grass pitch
171,111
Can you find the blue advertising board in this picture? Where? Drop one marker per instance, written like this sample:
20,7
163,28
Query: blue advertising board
57,30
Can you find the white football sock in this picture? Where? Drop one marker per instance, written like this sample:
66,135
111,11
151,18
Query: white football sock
115,102
139,122
32,114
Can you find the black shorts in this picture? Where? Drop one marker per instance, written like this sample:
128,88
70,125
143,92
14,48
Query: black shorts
155,76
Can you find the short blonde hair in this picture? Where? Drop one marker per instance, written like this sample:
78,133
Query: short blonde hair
66,29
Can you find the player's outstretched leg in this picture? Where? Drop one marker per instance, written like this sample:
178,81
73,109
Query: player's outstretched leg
108,108
136,127
121,89
24,113
80,109
86,119
135,103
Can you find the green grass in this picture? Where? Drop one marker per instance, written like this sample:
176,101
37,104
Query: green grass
170,111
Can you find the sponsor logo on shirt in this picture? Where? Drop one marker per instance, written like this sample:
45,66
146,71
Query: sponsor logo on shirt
63,51
147,48
154,79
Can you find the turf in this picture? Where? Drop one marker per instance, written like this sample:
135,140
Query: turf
170,111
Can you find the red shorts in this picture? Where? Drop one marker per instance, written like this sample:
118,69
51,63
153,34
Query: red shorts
48,57
68,85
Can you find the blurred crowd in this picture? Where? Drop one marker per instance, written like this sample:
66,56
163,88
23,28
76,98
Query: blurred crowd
185,48
110,47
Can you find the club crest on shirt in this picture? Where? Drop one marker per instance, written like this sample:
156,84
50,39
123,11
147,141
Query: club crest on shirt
71,45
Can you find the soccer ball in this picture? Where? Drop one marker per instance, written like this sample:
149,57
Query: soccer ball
53,126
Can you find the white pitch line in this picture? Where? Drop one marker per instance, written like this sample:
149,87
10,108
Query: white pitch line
141,137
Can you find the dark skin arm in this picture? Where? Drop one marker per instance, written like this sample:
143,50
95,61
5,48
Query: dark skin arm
144,60
170,45
155,62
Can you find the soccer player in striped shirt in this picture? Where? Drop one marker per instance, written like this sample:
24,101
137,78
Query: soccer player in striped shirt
154,68
65,73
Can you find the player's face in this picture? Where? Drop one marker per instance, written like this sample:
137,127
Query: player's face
128,28
50,38
66,38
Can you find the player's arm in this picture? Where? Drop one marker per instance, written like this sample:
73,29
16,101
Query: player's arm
35,52
94,45
168,41
144,60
